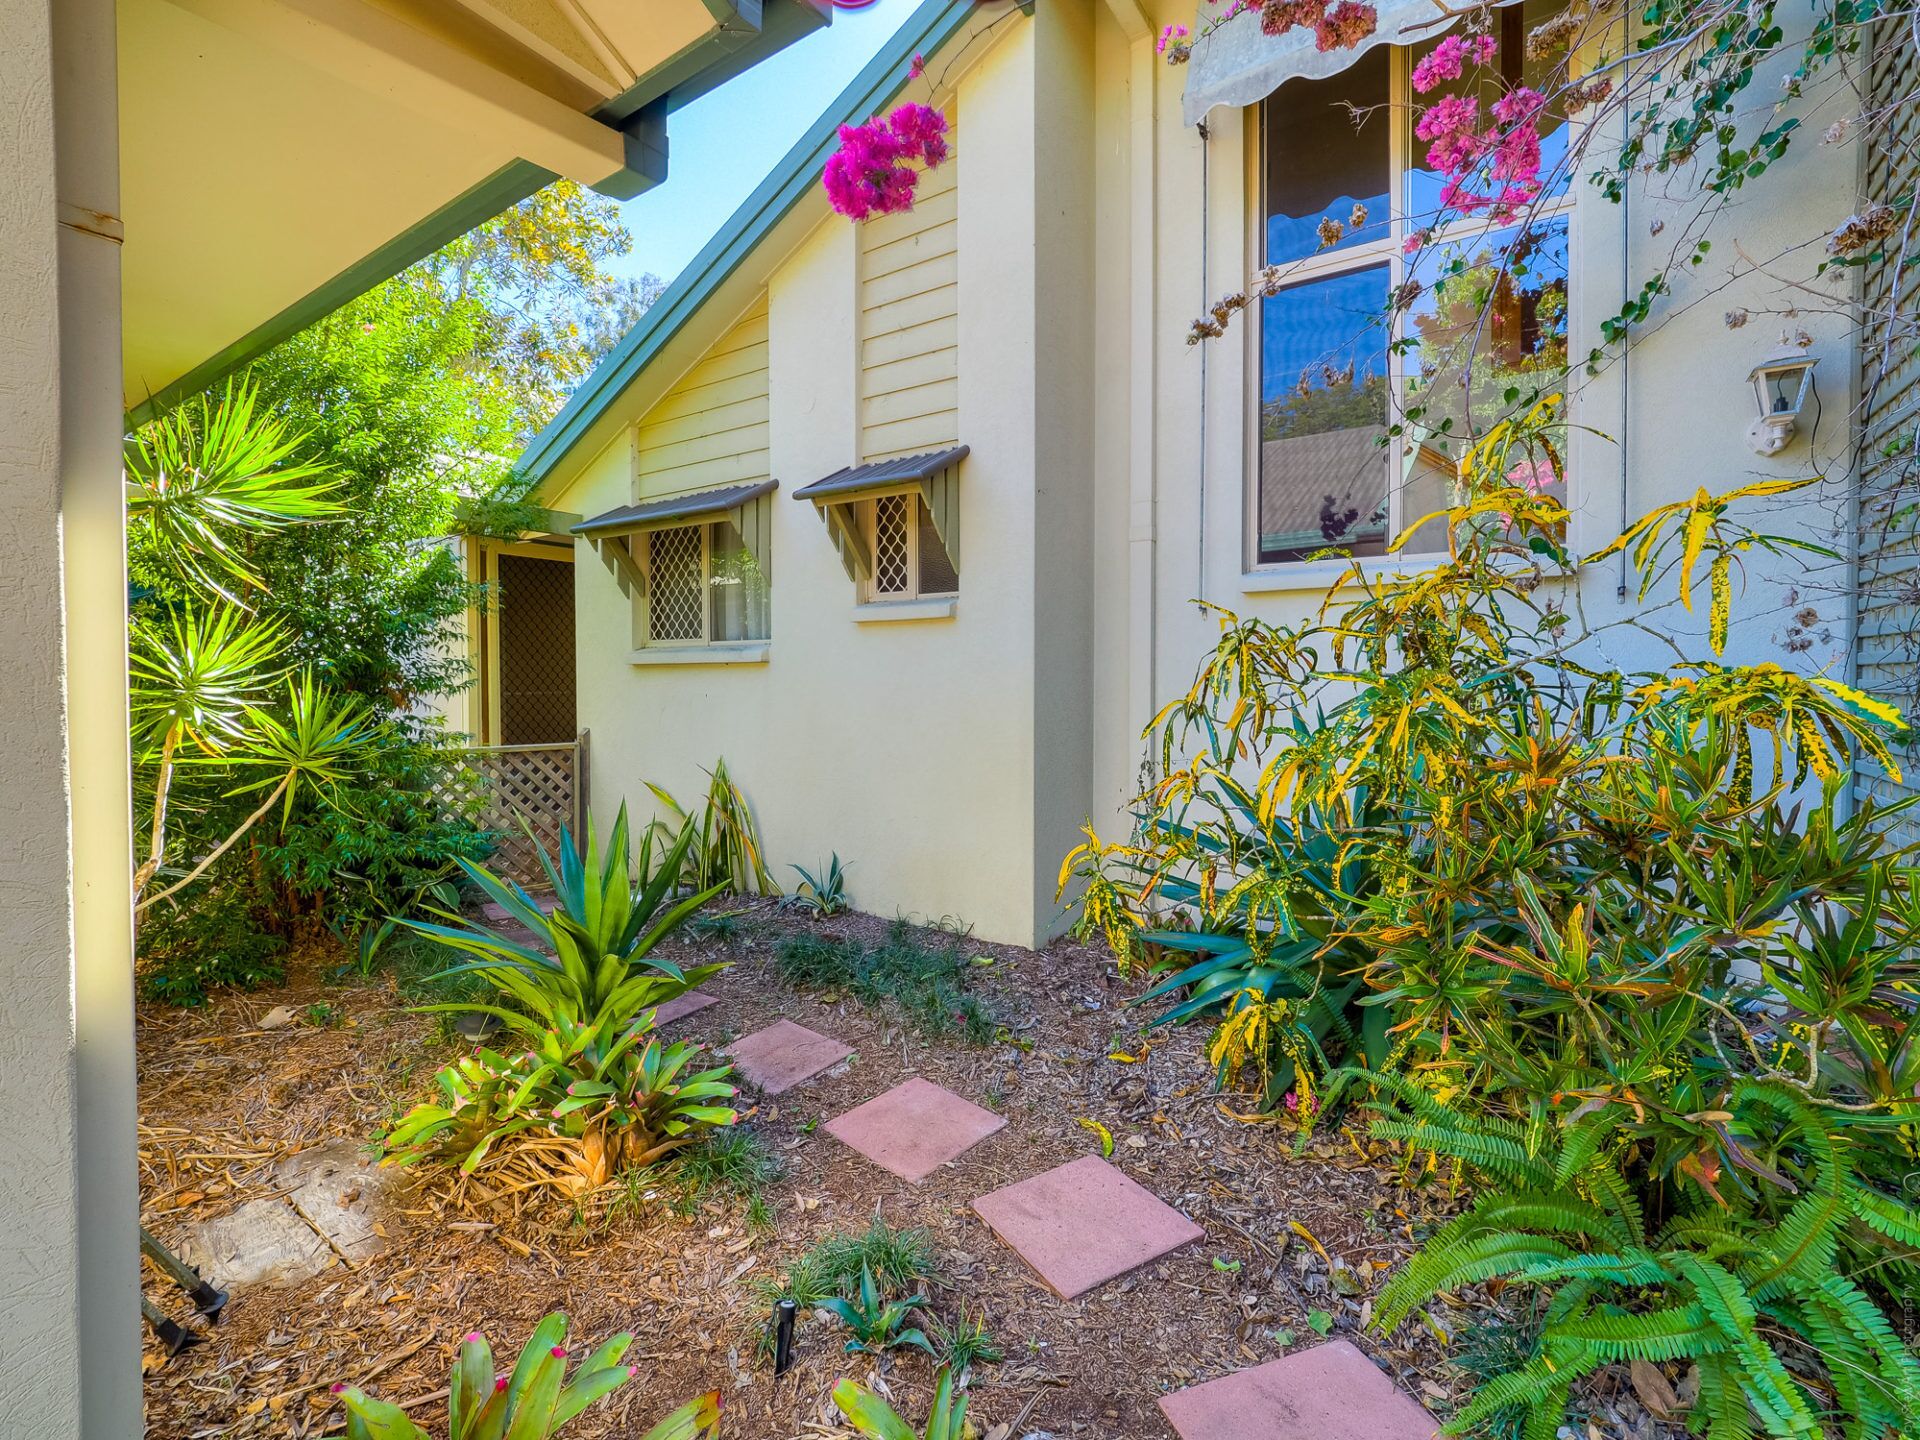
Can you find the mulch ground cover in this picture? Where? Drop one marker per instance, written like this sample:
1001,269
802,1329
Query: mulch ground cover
1294,1245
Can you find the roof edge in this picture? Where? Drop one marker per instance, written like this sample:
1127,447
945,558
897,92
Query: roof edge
883,77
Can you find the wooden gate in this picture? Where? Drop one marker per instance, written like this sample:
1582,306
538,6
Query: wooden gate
512,790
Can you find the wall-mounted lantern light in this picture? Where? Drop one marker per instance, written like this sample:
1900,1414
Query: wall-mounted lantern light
1781,385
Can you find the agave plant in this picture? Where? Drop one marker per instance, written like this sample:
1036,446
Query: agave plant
876,1322
535,1402
823,895
596,960
873,1417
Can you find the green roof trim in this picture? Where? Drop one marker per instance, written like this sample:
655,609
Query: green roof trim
746,32
930,27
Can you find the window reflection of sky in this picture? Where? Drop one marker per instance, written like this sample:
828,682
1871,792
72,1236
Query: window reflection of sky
1291,237
1334,322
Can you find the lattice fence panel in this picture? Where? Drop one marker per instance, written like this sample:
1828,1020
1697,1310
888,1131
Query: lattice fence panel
890,545
1888,615
673,584
500,787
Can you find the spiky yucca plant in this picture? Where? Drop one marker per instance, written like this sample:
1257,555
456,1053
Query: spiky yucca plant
1753,1290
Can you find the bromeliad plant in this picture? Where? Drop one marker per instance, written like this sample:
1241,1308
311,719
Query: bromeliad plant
1621,924
536,1401
873,1417
596,1091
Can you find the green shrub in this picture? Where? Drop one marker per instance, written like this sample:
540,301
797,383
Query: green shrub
1624,925
595,1092
899,1260
877,1324
208,940
371,849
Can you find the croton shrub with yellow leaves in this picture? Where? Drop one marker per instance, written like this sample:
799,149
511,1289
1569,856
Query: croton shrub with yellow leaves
1611,944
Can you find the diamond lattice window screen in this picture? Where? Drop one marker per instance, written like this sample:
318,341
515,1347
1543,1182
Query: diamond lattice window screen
892,570
674,591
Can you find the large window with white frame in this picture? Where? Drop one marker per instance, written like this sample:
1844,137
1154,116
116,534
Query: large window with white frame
906,557
1362,408
703,586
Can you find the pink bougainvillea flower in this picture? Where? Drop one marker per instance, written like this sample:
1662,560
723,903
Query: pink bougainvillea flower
873,172
917,68
1449,59
1172,35
1451,126
1414,241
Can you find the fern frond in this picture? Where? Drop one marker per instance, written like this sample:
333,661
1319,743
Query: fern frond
1668,1334
1499,1156
1477,1258
1882,1213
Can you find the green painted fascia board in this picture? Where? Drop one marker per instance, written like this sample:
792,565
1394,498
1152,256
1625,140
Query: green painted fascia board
931,26
507,186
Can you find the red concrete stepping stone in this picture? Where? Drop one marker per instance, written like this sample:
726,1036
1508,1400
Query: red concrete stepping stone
914,1128
1084,1224
1331,1392
681,1006
782,1055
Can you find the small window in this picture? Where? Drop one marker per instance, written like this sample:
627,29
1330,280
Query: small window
704,586
908,560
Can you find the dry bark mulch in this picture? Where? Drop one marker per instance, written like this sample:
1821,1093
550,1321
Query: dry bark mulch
222,1098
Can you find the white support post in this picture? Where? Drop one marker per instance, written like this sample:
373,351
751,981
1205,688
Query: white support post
68,1183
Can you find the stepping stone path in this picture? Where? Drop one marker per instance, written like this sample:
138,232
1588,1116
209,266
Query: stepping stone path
1331,1392
914,1128
1077,1227
1083,1224
680,1007
334,1187
779,1057
264,1242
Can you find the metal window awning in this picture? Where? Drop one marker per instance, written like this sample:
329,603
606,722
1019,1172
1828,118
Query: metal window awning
747,506
935,475
652,514
1238,63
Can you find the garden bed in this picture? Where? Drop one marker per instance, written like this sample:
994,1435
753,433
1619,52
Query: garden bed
223,1098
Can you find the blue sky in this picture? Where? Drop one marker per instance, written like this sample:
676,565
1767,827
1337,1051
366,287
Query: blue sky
723,144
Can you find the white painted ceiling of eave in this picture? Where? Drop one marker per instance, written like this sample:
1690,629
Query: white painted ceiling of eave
250,180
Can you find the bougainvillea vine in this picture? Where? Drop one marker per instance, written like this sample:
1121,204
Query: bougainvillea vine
877,167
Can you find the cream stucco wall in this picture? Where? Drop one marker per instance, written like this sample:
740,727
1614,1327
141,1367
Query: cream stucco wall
950,761
905,746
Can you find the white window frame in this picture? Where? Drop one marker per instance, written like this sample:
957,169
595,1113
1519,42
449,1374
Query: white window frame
640,547
870,511
1388,249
